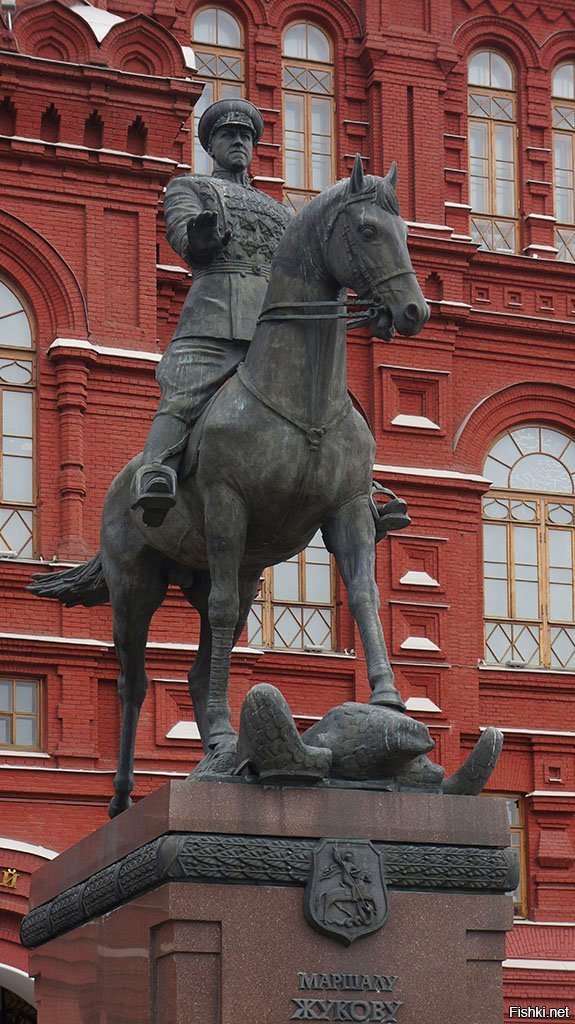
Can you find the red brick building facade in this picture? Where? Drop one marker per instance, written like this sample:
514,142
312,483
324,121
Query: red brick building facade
475,99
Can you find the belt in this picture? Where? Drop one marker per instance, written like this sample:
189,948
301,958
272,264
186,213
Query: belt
241,267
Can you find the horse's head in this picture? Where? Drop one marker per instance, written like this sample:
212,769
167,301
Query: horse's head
366,250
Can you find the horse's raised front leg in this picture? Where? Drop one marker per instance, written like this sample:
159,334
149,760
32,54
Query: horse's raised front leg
350,536
226,525
135,596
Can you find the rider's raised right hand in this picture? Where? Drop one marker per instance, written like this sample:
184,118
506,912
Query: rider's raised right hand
205,235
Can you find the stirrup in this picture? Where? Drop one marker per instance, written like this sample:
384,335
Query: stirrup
154,491
391,516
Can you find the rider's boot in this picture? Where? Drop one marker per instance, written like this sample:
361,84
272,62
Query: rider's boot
154,484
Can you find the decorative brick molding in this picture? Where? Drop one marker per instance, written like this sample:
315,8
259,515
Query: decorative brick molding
523,402
491,31
52,31
44,275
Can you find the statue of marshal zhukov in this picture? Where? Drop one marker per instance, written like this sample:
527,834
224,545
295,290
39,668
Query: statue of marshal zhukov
227,232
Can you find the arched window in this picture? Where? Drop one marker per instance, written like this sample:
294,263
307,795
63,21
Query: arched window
13,1008
218,45
17,487
492,152
308,93
529,549
296,606
563,160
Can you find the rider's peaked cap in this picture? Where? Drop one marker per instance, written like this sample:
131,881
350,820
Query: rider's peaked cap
230,111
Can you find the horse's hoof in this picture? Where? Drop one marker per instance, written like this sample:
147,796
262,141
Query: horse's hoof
385,695
219,761
118,804
270,742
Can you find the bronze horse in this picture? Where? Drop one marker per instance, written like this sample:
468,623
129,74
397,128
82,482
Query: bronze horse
279,453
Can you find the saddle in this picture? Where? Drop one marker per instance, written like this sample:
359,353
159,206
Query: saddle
192,440
390,515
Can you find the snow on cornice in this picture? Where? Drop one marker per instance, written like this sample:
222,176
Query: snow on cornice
99,21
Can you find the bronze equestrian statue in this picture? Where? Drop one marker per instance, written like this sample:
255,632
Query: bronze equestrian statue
278,453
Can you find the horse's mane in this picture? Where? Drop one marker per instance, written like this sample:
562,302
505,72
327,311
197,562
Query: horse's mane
314,222
385,192
325,206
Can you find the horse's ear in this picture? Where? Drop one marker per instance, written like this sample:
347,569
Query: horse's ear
391,176
356,178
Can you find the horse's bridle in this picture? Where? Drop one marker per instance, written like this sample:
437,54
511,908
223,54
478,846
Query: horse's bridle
337,308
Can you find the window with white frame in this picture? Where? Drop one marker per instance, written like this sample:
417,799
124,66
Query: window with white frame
17,400
564,160
19,713
308,108
529,549
218,46
296,605
492,110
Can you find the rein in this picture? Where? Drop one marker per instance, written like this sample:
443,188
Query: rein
278,311
366,309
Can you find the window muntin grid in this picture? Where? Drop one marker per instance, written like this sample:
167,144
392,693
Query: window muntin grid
19,713
17,401
529,550
563,110
308,106
218,46
492,152
296,605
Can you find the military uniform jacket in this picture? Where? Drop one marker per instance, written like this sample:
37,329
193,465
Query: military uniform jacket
227,292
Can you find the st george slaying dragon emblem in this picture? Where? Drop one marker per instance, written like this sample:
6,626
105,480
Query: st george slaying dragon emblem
345,895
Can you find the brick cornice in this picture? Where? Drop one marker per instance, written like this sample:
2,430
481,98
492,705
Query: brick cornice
436,479
76,76
99,161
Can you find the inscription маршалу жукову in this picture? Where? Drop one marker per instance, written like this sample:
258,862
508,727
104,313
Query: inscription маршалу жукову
358,1008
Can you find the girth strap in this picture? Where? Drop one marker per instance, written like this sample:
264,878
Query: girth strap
313,435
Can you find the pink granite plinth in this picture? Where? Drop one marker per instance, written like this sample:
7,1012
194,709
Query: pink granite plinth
240,952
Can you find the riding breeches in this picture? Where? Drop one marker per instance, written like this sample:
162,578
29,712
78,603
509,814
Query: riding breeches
192,370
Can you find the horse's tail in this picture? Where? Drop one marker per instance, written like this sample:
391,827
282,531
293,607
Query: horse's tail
83,584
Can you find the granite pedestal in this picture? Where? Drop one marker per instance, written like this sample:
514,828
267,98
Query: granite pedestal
189,909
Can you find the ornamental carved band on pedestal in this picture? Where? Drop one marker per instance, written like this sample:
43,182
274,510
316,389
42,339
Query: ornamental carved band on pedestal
356,871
